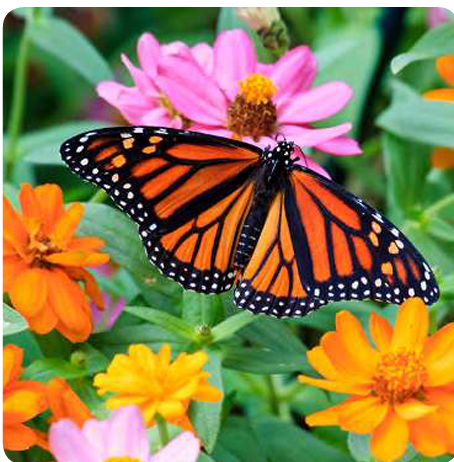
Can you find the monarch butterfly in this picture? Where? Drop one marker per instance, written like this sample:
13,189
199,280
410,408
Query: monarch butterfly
213,211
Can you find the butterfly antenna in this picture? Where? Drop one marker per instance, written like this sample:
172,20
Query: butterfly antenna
302,155
281,135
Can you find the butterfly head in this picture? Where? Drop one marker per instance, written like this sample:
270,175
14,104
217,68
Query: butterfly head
281,154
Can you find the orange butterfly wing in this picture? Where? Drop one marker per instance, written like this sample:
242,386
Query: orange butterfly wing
188,193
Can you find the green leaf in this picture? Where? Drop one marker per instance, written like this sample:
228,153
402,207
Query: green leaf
205,416
411,117
441,229
164,320
13,322
65,42
201,309
359,447
231,325
284,442
43,146
438,41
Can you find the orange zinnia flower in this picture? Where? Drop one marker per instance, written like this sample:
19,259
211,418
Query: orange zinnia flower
156,385
43,261
401,390
22,400
443,157
65,404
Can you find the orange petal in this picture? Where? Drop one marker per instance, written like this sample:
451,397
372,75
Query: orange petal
45,321
12,268
90,284
326,417
87,243
440,94
78,258
443,158
50,198
321,363
362,415
445,67
12,363
428,435
67,225
75,336
25,401
339,387
29,203
207,392
441,370
413,409
381,332
29,291
13,227
68,301
440,344
390,439
356,342
342,359
412,325
18,437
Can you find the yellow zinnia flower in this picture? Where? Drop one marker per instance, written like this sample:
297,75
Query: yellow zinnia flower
443,157
402,389
157,385
44,261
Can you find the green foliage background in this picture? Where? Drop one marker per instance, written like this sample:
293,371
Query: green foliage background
386,54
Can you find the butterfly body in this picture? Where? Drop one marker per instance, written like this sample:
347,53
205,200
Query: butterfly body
213,212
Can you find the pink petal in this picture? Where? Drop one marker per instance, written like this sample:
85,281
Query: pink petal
142,81
204,55
184,448
308,162
191,92
316,104
176,48
159,116
148,52
68,444
127,434
340,146
96,432
217,131
263,142
310,137
234,59
294,72
129,101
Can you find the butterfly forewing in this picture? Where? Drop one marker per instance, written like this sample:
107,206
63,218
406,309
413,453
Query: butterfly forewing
188,193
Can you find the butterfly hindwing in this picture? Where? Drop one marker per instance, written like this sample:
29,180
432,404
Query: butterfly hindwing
347,249
188,193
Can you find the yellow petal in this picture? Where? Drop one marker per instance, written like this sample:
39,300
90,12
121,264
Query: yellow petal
356,342
326,417
413,409
440,344
428,435
362,415
207,392
412,325
322,364
441,370
170,409
339,387
29,291
381,332
390,439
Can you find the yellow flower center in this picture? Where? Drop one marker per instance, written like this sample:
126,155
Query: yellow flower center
122,459
399,376
253,112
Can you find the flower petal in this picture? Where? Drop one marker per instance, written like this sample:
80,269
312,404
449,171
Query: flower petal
204,55
78,258
355,341
440,94
381,332
18,437
44,321
30,206
12,268
12,363
413,409
234,59
293,73
338,387
445,67
29,291
191,92
443,158
412,326
145,85
326,417
322,364
67,225
13,229
148,52
428,435
390,439
306,161
340,146
441,370
362,415
184,448
50,199
24,402
439,344
310,137
316,104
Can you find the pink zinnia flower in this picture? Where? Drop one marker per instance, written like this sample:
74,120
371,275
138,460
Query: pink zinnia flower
123,435
105,319
246,100
437,15
146,103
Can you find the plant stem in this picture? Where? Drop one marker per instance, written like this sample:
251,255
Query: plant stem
163,431
18,102
99,197
442,203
